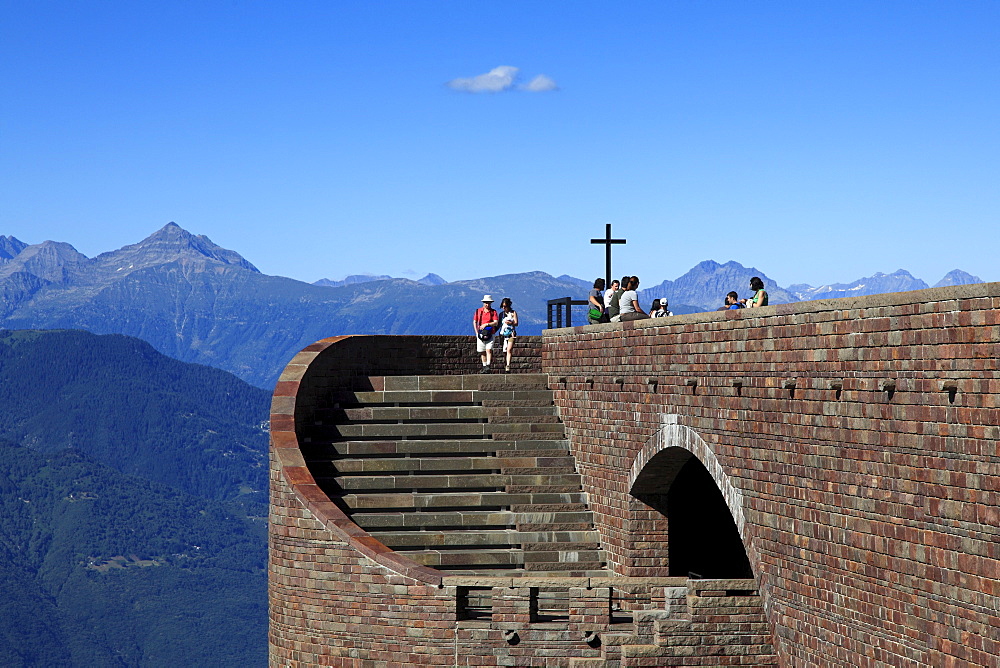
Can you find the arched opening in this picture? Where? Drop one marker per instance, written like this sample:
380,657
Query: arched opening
702,538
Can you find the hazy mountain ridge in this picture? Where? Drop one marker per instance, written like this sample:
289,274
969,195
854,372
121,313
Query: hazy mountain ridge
353,279
898,281
198,302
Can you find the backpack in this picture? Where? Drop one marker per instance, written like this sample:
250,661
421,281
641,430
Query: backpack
486,333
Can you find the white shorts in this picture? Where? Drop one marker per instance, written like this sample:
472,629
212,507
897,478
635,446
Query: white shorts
483,346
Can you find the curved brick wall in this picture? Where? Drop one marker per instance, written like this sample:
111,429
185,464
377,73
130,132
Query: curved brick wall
339,597
336,594
862,438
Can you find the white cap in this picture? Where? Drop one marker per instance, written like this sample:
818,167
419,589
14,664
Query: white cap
487,298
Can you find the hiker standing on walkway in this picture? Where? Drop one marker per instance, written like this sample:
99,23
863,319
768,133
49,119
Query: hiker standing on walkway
485,323
508,328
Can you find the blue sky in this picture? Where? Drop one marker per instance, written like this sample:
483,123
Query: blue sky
819,142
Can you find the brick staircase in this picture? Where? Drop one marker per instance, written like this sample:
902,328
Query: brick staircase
466,474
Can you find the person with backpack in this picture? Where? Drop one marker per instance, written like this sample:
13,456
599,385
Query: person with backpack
485,323
596,302
508,328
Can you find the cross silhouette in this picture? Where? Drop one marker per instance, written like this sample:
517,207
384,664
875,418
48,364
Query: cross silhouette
607,241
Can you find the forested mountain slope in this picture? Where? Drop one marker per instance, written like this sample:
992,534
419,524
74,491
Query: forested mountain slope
132,506
105,569
120,402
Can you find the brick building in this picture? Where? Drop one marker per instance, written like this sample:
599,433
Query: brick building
813,484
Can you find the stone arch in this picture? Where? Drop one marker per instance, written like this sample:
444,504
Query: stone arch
677,464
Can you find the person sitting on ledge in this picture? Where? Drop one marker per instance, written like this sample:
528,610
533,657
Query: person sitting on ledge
609,293
659,308
732,302
614,307
595,301
759,294
629,303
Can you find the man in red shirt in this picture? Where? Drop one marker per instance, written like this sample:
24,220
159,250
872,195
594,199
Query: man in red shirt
485,323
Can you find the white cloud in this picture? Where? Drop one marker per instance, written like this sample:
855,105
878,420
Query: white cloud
496,80
540,84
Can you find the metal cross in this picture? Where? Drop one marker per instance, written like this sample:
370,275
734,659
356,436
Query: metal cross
607,241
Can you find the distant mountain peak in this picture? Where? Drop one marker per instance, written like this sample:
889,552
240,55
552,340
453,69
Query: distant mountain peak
10,247
353,279
169,243
898,281
432,279
52,261
957,277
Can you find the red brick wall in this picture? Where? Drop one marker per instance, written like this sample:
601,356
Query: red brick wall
339,597
870,493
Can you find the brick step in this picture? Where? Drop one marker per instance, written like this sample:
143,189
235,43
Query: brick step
513,465
583,572
342,398
464,560
520,502
561,540
454,520
588,560
467,382
423,430
469,474
317,449
456,412
557,482
447,560
528,522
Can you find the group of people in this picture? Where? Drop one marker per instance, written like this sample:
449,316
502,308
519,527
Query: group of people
759,298
620,302
488,324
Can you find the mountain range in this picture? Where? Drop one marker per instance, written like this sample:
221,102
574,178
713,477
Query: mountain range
198,302
132,507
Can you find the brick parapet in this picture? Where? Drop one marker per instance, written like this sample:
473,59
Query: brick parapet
863,437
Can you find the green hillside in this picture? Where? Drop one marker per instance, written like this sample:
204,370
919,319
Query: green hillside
117,400
106,569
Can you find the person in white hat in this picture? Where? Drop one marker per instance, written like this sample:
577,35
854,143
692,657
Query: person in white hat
485,323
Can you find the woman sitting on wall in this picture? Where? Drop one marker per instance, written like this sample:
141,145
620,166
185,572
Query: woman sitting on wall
759,294
629,303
